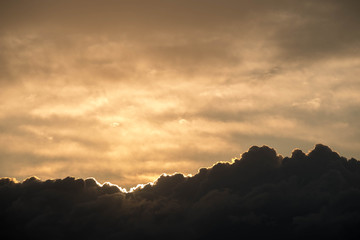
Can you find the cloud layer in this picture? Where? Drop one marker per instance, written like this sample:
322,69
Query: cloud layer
260,195
125,90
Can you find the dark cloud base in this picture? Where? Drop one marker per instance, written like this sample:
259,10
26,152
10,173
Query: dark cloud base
261,195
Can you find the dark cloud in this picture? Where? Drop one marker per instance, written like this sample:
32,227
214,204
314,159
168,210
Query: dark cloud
162,75
260,195
319,30
183,36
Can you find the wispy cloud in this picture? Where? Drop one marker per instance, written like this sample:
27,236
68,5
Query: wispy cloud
119,83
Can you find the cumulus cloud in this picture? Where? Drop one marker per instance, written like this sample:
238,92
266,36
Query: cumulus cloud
259,195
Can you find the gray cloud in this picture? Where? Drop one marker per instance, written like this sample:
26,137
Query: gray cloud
181,35
318,30
259,195
111,83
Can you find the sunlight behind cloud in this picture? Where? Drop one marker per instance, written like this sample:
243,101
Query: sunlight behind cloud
124,91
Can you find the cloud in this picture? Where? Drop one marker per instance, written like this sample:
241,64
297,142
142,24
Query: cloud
312,33
203,38
100,88
261,194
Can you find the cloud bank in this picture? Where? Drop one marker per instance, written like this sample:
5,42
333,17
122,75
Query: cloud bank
121,90
261,195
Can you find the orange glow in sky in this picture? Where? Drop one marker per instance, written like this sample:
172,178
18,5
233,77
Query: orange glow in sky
124,91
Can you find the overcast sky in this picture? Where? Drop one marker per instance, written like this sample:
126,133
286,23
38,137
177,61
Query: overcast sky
126,90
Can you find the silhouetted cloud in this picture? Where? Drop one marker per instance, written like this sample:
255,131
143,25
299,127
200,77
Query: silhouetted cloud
260,195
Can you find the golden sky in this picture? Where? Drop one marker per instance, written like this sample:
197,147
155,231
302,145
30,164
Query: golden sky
126,90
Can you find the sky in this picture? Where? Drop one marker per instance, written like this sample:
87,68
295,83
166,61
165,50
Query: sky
124,91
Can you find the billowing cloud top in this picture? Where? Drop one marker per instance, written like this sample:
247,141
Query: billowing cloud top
261,195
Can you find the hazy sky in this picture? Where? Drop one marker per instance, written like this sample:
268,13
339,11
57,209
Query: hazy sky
126,90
